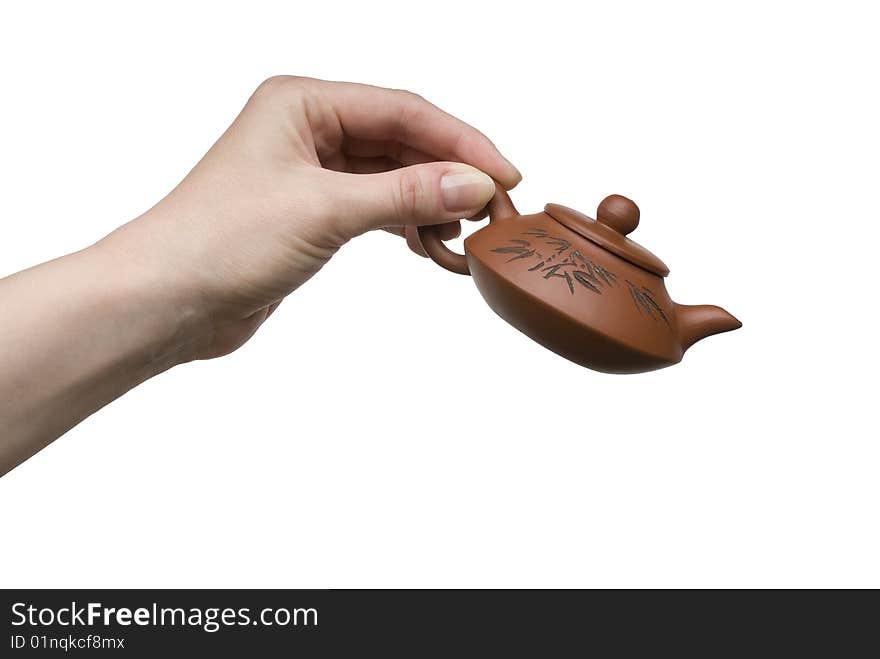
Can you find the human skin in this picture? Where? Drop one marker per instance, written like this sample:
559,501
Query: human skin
307,166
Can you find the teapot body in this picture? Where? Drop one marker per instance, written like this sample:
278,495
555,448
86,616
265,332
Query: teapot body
580,286
574,297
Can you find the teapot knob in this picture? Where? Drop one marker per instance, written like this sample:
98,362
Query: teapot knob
619,213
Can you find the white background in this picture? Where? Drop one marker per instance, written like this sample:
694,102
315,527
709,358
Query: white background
385,428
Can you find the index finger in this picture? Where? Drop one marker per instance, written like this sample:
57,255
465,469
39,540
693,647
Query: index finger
375,113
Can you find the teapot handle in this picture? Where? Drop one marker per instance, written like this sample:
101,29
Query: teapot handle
499,207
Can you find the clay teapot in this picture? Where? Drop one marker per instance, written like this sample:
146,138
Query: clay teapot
579,286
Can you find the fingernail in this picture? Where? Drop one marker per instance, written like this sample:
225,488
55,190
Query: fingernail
464,190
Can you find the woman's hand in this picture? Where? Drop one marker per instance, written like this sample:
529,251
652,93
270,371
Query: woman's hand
305,167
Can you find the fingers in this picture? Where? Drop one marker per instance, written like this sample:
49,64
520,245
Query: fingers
410,233
359,163
450,230
356,165
369,113
430,193
393,149
447,231
481,214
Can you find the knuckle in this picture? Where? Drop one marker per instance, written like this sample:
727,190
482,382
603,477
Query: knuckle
280,86
412,104
412,109
461,148
407,95
274,83
409,193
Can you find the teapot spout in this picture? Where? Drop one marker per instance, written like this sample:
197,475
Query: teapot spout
698,321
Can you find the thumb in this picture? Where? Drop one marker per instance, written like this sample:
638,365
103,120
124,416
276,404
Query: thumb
430,193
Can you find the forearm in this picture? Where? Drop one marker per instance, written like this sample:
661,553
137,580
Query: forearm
75,334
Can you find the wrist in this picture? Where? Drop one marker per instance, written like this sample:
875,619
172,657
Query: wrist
166,325
88,327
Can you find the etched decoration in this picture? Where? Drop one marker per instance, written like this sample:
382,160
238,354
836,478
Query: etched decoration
554,258
645,303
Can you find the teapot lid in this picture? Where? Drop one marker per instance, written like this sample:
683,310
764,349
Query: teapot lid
616,217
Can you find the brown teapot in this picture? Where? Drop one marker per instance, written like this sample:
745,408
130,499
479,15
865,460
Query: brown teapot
579,286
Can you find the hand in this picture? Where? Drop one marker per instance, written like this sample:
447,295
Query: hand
306,166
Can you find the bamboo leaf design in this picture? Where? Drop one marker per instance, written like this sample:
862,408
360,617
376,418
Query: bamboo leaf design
584,280
570,264
649,298
636,296
589,275
524,255
552,271
644,300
